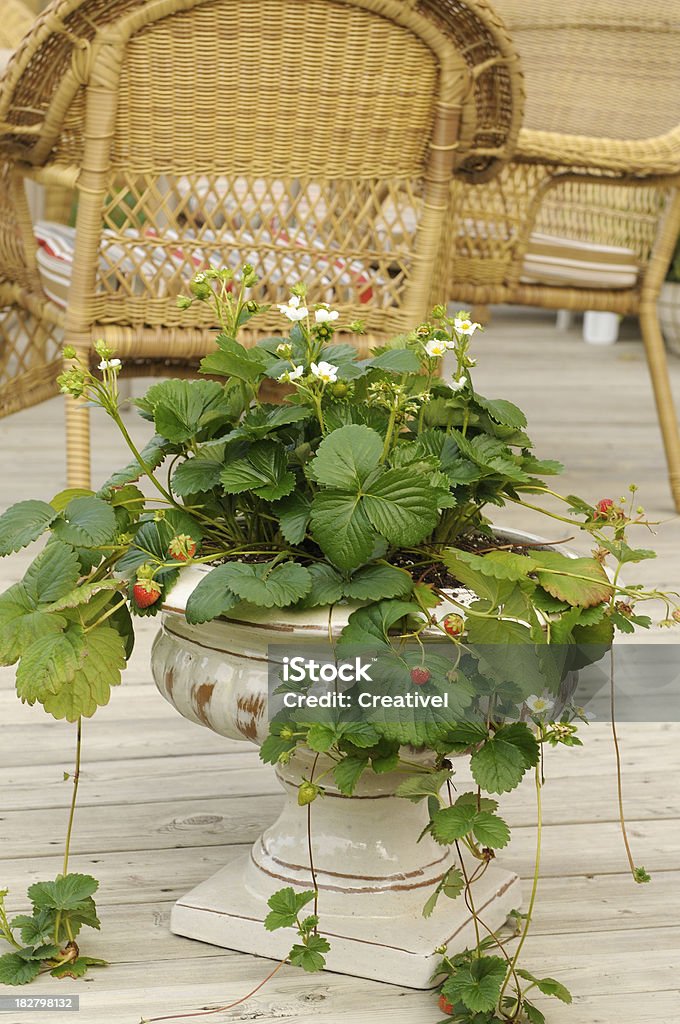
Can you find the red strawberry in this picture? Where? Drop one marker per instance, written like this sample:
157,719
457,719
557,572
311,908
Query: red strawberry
445,1006
420,676
182,547
454,625
603,508
146,593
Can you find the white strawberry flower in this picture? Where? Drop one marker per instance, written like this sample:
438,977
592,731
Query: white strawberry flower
465,326
292,309
110,364
538,705
436,348
325,315
458,385
326,372
293,374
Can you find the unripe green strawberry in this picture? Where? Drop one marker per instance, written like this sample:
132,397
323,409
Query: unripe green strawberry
307,793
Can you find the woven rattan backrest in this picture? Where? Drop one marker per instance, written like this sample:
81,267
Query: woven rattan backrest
15,21
604,68
314,140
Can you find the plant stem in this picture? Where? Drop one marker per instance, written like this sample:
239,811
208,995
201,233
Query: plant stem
537,869
218,1009
76,781
71,817
137,454
309,843
619,771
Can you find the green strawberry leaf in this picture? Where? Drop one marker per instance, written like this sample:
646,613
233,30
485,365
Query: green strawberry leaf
327,587
182,408
233,360
37,929
585,583
375,582
259,423
417,787
268,584
348,772
310,956
548,986
347,456
83,594
342,529
293,514
14,970
498,766
263,470
212,596
73,969
23,523
401,507
490,830
285,906
477,984
50,663
534,1015
451,885
86,523
321,737
64,893
201,473
393,360
99,670
52,574
452,823
502,411
273,747
23,624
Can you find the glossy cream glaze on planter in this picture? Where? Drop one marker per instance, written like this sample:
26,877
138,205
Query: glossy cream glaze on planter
373,877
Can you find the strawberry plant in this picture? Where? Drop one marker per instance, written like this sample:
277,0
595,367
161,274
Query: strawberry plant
370,483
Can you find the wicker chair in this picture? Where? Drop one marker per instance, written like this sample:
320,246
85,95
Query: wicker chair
16,20
315,140
598,160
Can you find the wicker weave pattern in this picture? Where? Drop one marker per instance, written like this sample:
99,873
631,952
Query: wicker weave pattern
15,22
316,140
609,71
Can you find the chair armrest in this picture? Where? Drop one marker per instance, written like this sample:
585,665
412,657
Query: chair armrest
639,158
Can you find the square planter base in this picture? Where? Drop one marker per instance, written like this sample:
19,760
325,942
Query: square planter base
372,938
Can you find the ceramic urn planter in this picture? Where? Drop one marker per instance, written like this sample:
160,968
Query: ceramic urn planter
373,876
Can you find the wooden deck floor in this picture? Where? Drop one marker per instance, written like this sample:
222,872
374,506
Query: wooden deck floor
161,799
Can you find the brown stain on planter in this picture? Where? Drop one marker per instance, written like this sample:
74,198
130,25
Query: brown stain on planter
252,709
169,681
200,700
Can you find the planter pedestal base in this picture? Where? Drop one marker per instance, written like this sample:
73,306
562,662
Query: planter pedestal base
372,876
396,948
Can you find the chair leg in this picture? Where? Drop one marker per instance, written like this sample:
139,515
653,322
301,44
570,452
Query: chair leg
658,368
77,443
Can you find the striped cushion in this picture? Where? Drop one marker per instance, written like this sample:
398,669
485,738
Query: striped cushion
572,263
56,246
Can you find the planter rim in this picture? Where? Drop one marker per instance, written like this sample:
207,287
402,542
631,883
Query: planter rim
310,621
